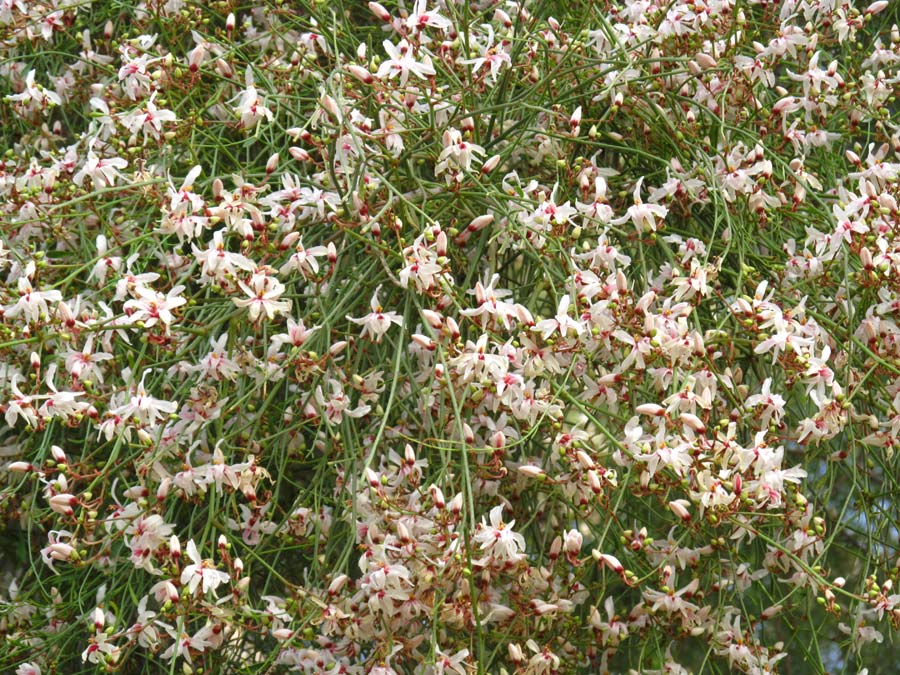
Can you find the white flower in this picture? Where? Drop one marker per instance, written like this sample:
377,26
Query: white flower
251,108
498,538
145,408
377,322
644,216
457,154
201,573
34,97
402,63
562,322
151,306
32,304
147,120
103,172
263,293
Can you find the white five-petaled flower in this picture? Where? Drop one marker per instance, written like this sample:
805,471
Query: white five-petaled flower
376,323
402,62
644,216
32,304
251,108
562,322
34,96
263,292
498,538
201,573
103,171
151,306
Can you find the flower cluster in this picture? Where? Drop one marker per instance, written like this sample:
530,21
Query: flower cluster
449,337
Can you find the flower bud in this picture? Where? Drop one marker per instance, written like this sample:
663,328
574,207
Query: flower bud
651,409
609,561
299,154
378,10
63,503
573,541
490,164
174,547
360,73
480,222
679,508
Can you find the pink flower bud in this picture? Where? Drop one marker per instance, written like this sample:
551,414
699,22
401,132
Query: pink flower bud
63,503
555,548
573,541
224,69
524,315
651,409
360,73
331,107
379,11
424,342
58,454
480,222
468,434
230,22
453,327
531,471
433,318
456,503
770,612
515,652
706,61
272,164
584,459
163,490
437,497
20,467
135,492
196,57
679,508
693,422
337,584
174,547
282,634
490,164
575,119
876,7
299,154
609,561
99,618
35,361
